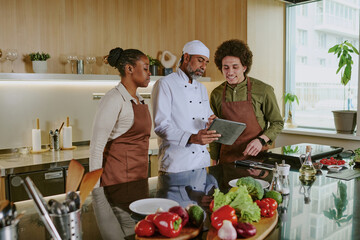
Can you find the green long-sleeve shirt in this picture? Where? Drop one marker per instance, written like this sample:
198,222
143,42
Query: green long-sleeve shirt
264,103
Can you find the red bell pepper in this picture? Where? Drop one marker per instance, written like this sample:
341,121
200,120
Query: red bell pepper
144,228
168,224
150,217
226,212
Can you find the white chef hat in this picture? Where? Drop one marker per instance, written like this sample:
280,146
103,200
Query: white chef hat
196,47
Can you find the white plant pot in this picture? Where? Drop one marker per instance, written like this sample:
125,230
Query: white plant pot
39,66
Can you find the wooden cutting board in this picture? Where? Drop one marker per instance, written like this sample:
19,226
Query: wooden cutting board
187,232
263,228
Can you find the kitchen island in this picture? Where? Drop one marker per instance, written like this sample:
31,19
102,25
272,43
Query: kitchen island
308,212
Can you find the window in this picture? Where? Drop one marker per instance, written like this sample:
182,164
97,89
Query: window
322,40
311,70
302,39
302,59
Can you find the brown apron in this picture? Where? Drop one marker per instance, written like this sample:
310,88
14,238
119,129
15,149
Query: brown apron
125,158
240,111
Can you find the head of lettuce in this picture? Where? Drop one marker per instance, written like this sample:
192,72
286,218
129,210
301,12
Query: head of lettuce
246,210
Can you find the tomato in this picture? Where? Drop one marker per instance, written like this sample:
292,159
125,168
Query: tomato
271,213
144,228
211,206
264,212
332,161
272,203
264,204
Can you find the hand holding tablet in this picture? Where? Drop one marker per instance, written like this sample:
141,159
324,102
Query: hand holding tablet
229,130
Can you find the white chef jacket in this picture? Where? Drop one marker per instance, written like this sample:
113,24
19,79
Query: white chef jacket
179,110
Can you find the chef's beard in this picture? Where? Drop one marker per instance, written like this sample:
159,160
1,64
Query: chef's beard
193,74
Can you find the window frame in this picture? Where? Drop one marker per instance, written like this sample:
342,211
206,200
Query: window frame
290,51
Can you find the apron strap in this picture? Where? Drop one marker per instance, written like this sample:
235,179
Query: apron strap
248,90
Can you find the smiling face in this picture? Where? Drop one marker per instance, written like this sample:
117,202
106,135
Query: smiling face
233,70
195,65
140,72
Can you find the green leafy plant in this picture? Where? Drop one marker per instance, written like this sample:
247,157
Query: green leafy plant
290,150
343,52
39,56
340,202
153,61
290,98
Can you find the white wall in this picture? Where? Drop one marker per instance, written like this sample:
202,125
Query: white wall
21,102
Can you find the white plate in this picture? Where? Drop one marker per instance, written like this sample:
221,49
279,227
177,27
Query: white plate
263,183
150,205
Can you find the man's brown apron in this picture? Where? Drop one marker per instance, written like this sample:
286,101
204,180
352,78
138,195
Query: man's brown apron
240,111
125,158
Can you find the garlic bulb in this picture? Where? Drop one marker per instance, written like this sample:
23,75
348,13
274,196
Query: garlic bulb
227,231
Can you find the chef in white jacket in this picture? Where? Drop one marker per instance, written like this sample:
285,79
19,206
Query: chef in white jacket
182,113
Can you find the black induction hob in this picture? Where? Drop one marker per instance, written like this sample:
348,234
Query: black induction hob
293,152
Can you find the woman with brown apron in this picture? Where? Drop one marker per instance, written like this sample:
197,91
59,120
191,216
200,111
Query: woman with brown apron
122,124
243,99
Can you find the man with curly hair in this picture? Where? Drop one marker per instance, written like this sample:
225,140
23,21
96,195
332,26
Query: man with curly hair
243,99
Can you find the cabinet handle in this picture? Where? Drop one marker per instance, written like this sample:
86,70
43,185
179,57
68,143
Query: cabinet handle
53,175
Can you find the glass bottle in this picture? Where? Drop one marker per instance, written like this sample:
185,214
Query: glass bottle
275,183
307,170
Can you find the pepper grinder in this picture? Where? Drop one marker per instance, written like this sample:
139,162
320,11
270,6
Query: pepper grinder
283,171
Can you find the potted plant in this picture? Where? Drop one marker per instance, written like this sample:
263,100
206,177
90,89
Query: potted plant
154,65
289,98
39,62
345,120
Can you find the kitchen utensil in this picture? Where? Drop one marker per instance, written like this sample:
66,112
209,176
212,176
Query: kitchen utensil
74,198
40,207
17,218
88,183
70,205
9,213
4,206
75,174
255,164
68,225
61,127
57,208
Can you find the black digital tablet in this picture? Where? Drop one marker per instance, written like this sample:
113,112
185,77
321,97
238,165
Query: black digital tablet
229,130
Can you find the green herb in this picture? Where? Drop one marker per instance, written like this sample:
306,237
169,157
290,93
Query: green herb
290,150
153,61
39,56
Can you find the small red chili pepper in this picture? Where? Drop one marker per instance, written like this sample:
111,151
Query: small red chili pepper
168,224
226,212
